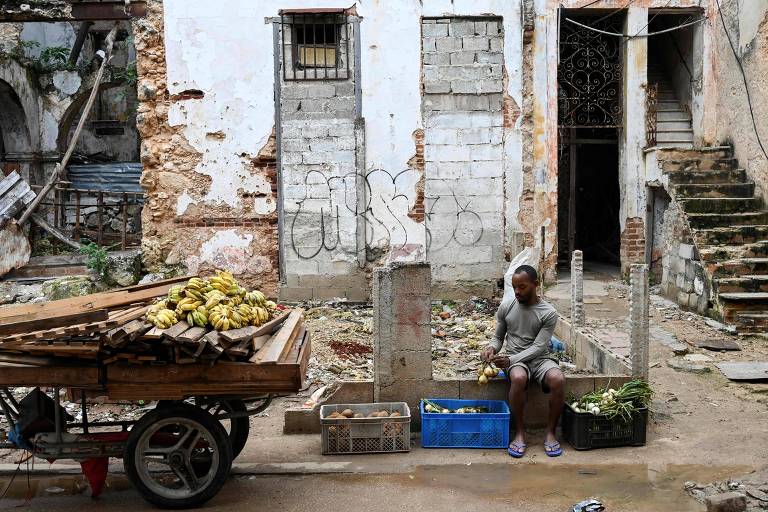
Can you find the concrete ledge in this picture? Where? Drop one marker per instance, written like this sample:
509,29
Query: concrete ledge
307,421
588,352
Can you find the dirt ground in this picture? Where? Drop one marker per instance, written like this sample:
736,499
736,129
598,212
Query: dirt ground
703,427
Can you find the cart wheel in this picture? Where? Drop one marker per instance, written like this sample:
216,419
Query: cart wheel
178,456
237,428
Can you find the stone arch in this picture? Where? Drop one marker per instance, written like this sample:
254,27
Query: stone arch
72,114
19,111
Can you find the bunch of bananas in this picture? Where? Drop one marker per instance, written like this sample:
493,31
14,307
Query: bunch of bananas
218,301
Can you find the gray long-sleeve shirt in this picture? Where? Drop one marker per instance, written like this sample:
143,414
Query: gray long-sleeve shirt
524,331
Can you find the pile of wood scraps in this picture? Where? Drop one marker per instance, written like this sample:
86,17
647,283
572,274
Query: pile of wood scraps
111,327
139,342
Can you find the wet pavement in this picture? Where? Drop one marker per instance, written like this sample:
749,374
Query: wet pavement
474,487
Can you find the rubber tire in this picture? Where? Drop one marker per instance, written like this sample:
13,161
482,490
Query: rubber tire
239,427
208,422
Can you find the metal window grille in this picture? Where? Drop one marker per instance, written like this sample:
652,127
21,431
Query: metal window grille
315,46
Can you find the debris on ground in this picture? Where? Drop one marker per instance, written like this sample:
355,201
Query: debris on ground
748,493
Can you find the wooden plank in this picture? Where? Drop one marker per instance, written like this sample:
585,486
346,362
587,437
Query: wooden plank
104,300
272,351
12,202
238,335
239,350
153,334
191,335
258,342
127,382
293,355
126,333
75,376
174,331
24,324
9,182
738,370
271,326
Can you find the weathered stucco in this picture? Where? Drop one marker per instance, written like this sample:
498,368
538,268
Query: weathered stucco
206,149
747,22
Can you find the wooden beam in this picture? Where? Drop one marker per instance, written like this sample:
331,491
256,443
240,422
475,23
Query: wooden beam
18,324
106,300
58,376
272,351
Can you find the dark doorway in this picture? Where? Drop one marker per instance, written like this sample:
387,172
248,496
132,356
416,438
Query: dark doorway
589,197
590,114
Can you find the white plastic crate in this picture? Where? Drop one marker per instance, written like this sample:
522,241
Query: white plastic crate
366,435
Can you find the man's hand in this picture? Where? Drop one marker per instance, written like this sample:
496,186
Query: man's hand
501,362
487,353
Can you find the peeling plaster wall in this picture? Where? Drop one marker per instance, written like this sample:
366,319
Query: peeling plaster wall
747,22
216,112
208,152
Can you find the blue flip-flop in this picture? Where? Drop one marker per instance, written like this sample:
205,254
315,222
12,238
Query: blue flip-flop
553,449
517,450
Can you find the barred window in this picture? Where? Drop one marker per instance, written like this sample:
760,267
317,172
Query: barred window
315,45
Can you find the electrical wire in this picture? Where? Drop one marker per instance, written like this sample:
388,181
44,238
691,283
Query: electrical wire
744,77
653,17
627,36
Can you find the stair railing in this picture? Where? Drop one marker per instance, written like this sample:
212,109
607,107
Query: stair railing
651,106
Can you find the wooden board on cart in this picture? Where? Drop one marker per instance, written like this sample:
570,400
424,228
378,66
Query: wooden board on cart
175,382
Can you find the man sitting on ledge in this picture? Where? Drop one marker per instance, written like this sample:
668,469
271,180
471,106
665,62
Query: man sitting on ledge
524,328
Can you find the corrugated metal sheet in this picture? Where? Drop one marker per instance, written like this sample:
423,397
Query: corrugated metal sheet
114,177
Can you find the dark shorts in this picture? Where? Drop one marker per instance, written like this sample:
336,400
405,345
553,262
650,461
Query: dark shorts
536,370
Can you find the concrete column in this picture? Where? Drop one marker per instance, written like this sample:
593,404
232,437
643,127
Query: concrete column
402,337
638,320
577,289
631,155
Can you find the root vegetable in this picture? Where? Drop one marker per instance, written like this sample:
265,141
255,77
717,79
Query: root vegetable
483,380
488,372
347,413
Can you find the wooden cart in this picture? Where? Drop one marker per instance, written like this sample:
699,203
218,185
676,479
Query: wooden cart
179,454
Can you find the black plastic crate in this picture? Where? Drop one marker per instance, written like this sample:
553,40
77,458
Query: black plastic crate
584,430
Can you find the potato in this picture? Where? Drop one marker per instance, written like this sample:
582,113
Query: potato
347,413
374,414
383,414
395,414
357,415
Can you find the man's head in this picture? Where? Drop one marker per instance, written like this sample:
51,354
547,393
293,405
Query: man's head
525,280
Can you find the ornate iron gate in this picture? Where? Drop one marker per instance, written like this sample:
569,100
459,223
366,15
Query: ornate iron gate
590,74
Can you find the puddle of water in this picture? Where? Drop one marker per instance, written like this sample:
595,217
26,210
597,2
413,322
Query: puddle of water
630,487
22,488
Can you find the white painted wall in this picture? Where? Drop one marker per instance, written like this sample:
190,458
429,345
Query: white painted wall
227,53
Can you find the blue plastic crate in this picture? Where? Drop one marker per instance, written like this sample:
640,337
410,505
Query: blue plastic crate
481,430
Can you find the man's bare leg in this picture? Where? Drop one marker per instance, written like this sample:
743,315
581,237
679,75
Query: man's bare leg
518,378
555,381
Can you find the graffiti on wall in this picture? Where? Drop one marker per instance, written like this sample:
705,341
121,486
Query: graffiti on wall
326,216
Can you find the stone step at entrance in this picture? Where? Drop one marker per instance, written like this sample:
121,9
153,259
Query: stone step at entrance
706,190
732,235
742,284
721,204
708,177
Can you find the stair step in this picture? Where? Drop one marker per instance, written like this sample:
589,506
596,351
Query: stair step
732,252
714,190
708,152
707,177
674,144
725,205
700,164
714,220
748,283
751,322
673,125
756,296
738,268
672,116
732,235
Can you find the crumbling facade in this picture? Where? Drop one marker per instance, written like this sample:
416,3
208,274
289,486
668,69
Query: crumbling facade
449,132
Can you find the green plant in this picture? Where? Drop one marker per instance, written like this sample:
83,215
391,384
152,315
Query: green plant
97,258
53,57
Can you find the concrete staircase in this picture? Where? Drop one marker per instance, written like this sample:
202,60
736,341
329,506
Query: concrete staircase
730,228
673,121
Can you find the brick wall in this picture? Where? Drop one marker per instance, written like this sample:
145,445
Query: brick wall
632,243
463,151
318,152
